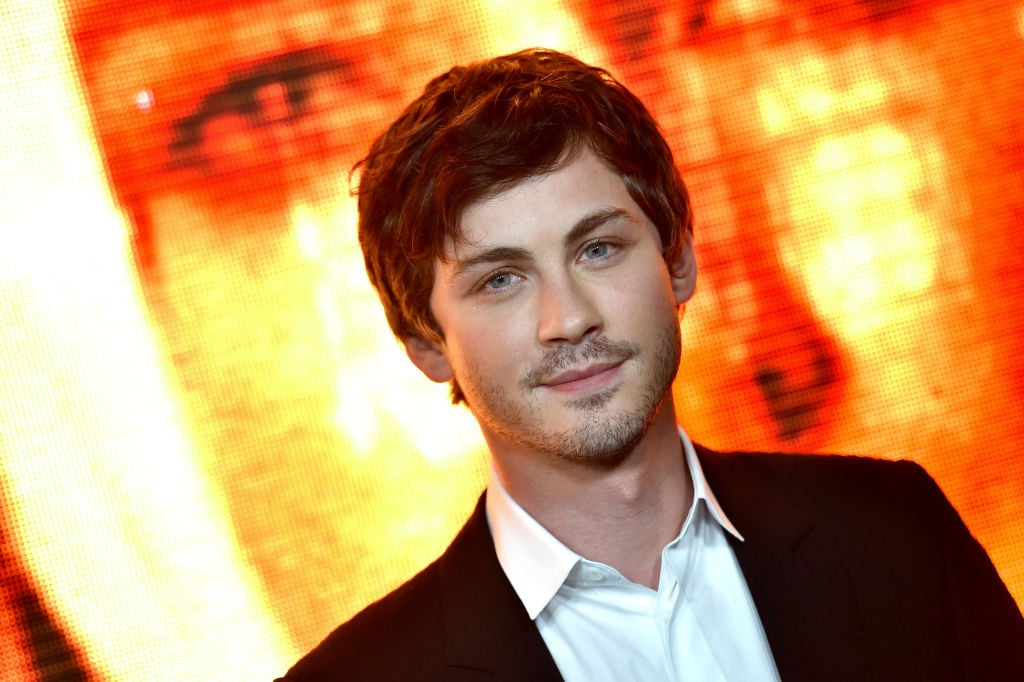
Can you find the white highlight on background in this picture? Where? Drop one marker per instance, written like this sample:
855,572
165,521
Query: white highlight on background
129,545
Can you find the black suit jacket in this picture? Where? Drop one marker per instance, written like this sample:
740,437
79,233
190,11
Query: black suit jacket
860,570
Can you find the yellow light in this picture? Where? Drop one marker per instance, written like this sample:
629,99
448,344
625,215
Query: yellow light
128,544
512,25
863,242
774,114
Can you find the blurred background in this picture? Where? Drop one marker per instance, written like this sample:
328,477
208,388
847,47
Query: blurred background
212,451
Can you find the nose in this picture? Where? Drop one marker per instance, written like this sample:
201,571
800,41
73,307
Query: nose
567,312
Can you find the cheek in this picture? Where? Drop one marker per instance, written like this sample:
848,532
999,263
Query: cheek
489,347
645,295
481,352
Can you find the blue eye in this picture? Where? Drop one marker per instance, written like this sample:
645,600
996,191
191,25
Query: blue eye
499,281
598,250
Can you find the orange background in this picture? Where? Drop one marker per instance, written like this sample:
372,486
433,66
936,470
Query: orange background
212,451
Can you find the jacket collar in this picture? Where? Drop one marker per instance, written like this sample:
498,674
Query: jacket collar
487,627
536,563
809,612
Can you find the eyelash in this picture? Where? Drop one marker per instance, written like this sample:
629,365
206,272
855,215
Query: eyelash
484,288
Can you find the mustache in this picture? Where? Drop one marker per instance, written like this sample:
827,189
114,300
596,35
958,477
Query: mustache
599,349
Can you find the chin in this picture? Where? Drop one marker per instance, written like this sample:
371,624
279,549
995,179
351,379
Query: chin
603,437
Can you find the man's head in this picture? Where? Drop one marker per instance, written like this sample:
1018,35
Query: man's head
480,129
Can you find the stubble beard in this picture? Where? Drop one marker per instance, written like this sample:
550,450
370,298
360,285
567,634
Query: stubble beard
601,437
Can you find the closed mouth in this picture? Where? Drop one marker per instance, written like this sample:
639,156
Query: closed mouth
582,377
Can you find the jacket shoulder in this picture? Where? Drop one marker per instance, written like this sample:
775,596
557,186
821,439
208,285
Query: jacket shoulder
817,478
862,499
923,582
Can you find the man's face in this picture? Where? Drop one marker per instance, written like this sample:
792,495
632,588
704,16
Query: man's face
559,316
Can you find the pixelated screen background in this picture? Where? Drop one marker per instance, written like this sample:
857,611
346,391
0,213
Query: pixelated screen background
212,451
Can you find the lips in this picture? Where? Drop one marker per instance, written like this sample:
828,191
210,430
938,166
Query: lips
583,378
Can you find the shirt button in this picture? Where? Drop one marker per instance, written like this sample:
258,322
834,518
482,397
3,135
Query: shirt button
592,574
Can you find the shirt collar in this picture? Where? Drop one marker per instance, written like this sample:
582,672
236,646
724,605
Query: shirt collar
536,562
701,490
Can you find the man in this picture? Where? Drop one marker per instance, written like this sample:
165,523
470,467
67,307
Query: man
531,240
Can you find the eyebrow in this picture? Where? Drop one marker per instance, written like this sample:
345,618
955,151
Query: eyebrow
495,255
584,226
591,222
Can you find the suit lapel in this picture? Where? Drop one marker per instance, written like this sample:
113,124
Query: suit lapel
804,596
487,628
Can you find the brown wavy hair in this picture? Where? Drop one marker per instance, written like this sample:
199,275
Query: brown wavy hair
479,129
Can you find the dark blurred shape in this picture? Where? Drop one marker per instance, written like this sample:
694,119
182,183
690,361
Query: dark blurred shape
273,91
799,382
881,9
53,655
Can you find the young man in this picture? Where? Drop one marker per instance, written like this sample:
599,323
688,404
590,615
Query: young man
531,241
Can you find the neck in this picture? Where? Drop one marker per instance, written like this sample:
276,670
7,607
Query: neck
622,515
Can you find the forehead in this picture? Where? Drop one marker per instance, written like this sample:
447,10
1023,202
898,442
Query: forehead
546,205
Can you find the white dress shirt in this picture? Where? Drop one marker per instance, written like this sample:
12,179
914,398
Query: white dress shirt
700,624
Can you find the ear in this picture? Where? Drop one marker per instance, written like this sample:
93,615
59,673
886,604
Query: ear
430,357
683,271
